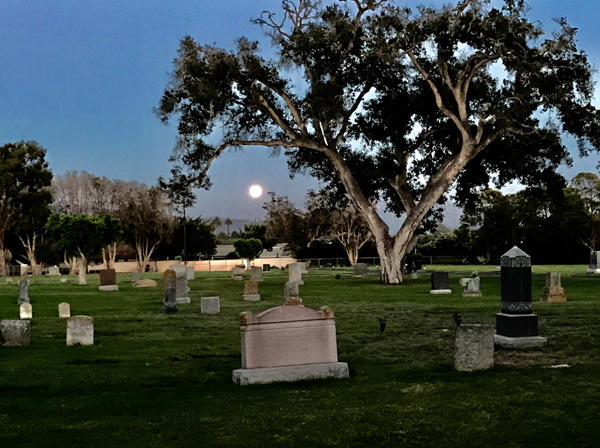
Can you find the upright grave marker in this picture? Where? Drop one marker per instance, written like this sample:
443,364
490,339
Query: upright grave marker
190,273
471,285
256,274
135,277
594,263
251,291
181,286
553,292
296,271
108,280
15,332
25,311
64,310
53,271
516,325
237,273
292,294
23,289
474,347
440,283
360,270
170,297
80,330
210,305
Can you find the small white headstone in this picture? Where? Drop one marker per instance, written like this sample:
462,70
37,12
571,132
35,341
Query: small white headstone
189,271
25,311
64,310
24,269
53,270
80,330
63,280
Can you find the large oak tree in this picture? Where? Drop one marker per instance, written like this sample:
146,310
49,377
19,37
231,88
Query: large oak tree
398,106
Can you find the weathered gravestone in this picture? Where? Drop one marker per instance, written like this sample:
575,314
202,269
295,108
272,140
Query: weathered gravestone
53,271
25,311
210,305
266,267
516,325
594,263
553,292
360,270
251,291
23,289
288,343
63,280
190,273
256,274
292,294
181,286
440,283
474,347
80,330
24,269
108,280
136,277
237,273
15,332
296,271
64,310
170,297
471,285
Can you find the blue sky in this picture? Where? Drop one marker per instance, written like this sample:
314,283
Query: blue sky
81,78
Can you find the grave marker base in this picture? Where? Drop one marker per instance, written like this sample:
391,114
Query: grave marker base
440,291
593,271
245,377
183,300
522,342
109,288
252,297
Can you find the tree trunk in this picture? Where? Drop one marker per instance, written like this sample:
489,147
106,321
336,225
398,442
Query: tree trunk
29,247
109,254
352,252
83,270
72,263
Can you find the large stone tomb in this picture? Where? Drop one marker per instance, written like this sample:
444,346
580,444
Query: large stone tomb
64,310
256,274
553,292
210,305
25,311
108,280
296,271
471,285
288,343
237,273
190,273
170,297
23,289
53,271
360,270
15,332
181,287
80,330
474,349
440,283
516,325
594,263
251,291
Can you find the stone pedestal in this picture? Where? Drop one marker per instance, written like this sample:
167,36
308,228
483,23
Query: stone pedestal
440,283
251,291
292,294
516,319
210,305
145,283
80,330
553,292
64,310
471,285
360,270
474,348
594,263
15,332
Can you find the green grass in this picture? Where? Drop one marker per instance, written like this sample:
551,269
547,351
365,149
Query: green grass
153,380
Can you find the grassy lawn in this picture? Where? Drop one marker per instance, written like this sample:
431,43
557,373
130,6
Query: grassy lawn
153,380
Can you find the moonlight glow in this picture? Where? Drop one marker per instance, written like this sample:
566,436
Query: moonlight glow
255,191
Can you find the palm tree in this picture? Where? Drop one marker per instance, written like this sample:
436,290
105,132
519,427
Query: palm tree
228,222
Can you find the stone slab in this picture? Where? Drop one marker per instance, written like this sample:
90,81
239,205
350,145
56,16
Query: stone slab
251,297
64,310
593,271
109,288
180,300
517,325
440,291
524,342
80,330
303,372
135,277
63,280
210,305
474,347
108,277
53,270
238,277
15,333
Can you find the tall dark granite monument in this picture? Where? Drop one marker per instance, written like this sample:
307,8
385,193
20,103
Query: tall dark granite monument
440,283
516,325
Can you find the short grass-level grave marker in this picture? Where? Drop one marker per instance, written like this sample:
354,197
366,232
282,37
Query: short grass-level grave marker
360,270
251,291
64,310
23,289
516,325
553,292
80,330
145,283
471,285
474,347
210,305
26,311
181,286
440,283
15,332
594,263
288,343
108,280
256,274
170,297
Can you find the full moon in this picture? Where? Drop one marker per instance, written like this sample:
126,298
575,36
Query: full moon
255,191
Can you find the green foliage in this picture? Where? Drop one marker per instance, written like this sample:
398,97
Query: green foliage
257,231
249,248
200,240
48,252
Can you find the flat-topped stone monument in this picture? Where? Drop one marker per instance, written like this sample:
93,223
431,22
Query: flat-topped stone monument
256,274
25,311
296,270
181,286
594,263
170,297
190,273
516,325
53,271
23,289
108,280
237,273
474,347
553,292
210,305
80,330
15,332
471,285
288,343
64,310
440,283
136,277
360,270
251,291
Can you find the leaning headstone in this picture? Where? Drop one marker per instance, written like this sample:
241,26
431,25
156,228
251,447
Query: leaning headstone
190,272
15,332
516,325
594,263
440,283
296,271
292,294
471,285
256,274
135,277
266,267
288,343
237,273
108,280
25,311
80,330
210,305
474,349
360,270
64,310
23,289
53,271
170,297
145,283
251,291
553,292
181,287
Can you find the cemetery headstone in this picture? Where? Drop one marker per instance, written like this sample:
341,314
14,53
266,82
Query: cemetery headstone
136,277
251,291
15,332
292,294
266,267
170,297
210,305
471,285
516,325
25,311
594,263
288,343
24,269
108,280
474,348
553,292
360,270
296,271
53,271
64,310
256,274
190,272
440,283
237,273
63,280
8,279
80,330
181,286
145,283
23,289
